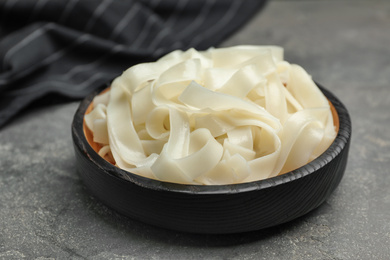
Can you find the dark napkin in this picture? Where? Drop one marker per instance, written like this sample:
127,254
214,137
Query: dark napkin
66,49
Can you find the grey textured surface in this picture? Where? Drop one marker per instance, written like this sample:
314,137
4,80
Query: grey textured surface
46,213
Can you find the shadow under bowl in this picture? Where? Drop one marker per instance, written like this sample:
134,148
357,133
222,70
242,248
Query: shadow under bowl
215,209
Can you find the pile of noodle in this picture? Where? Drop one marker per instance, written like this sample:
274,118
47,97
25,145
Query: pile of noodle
220,116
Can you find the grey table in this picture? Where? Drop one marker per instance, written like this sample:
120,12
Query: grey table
46,213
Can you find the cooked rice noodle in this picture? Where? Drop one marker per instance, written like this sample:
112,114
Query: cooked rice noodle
220,116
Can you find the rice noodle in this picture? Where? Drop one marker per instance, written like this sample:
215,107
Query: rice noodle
213,117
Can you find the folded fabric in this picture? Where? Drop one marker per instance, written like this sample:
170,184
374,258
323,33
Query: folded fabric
70,48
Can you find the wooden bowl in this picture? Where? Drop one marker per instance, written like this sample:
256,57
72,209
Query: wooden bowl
216,208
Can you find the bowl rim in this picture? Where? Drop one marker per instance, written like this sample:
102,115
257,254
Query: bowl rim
341,140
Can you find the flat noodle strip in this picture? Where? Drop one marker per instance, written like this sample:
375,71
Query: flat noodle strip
213,117
201,98
125,144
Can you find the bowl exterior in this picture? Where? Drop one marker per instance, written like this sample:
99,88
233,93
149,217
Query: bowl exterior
215,209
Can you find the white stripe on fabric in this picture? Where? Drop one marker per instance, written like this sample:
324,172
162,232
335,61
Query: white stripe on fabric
167,29
160,51
125,21
163,33
97,13
32,36
68,76
56,84
85,84
53,57
94,64
145,31
35,88
68,8
196,23
178,9
220,24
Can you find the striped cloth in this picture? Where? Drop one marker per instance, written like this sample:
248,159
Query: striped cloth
66,49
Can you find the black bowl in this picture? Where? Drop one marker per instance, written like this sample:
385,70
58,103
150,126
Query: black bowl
215,208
